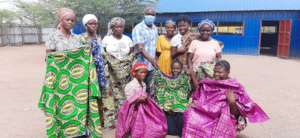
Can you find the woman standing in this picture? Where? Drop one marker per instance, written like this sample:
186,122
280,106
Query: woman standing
62,39
118,59
204,52
181,42
91,38
163,48
70,90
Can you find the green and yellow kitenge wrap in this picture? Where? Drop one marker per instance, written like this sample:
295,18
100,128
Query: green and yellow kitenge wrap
69,95
172,94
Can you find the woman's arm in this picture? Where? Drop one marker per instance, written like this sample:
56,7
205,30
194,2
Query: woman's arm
191,71
157,55
49,51
194,79
218,56
190,57
158,48
175,52
146,55
232,103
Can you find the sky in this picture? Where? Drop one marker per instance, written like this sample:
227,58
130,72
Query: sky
9,4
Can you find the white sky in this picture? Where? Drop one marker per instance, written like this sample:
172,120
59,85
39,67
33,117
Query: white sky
9,4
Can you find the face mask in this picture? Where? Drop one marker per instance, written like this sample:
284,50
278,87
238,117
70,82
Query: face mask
149,19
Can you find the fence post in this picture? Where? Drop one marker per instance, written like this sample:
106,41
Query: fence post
40,35
22,34
1,34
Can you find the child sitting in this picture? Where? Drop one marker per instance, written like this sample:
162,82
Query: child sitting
139,116
217,106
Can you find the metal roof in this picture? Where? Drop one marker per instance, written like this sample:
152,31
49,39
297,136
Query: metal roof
180,6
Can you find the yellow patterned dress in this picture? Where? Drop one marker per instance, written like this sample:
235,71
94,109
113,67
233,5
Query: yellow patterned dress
163,46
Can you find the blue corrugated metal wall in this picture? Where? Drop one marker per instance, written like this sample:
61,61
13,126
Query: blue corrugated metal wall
295,39
248,43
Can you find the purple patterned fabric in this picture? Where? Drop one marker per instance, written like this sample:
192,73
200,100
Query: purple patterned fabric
209,116
141,120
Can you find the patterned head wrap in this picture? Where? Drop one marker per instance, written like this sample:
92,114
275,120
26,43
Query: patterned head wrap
138,66
64,12
114,21
208,22
170,22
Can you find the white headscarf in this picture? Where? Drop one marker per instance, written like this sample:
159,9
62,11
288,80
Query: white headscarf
86,18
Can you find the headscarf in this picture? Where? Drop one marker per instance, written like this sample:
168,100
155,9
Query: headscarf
62,13
170,22
86,18
208,22
138,66
114,22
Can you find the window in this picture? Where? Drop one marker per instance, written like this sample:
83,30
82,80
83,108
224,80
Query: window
269,29
160,28
231,28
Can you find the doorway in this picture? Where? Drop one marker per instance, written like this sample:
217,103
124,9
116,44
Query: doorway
269,38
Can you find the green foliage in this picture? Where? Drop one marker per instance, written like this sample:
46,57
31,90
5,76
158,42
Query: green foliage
6,16
43,12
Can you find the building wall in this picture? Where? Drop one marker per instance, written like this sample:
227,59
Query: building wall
248,43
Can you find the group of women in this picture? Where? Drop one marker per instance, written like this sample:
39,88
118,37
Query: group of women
184,59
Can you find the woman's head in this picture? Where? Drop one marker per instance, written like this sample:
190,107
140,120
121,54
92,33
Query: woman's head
170,27
183,24
116,26
222,70
206,28
139,71
176,67
67,18
90,21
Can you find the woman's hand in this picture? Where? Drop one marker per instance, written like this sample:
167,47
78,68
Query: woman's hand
141,99
182,49
154,63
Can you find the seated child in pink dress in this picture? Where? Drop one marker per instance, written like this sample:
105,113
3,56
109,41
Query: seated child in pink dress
139,116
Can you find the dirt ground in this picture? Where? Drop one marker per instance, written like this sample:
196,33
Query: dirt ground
272,82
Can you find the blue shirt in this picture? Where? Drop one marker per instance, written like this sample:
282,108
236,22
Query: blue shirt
142,34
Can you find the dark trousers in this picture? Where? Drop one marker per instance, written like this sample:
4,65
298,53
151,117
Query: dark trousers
175,123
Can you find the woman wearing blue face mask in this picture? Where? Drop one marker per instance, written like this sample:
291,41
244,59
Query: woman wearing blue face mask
144,36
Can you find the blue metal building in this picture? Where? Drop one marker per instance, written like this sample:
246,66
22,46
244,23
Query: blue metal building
250,27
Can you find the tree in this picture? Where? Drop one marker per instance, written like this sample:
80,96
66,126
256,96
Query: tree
6,16
34,13
43,12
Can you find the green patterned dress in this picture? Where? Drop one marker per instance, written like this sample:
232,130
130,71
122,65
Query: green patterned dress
69,95
205,70
172,94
